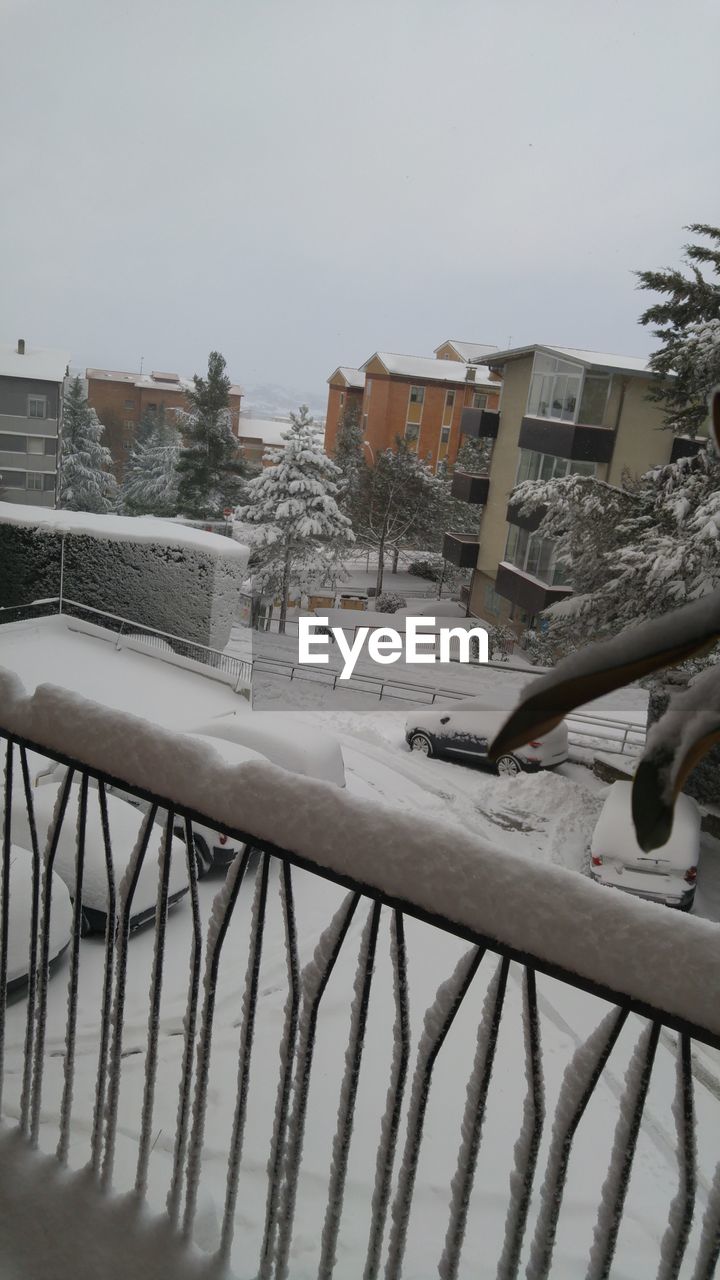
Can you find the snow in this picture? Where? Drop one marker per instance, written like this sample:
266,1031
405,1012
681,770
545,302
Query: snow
470,352
21,890
145,529
279,736
596,359
41,363
353,377
614,836
431,369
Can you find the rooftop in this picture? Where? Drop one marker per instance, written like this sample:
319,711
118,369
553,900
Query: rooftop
470,352
638,365
353,377
43,363
269,430
154,380
429,368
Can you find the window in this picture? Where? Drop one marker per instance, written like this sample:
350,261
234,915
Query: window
342,399
412,435
129,404
543,466
35,444
492,600
444,435
36,406
368,387
129,424
13,479
565,391
127,444
152,407
12,444
533,554
417,395
50,447
444,444
479,400
449,399
34,480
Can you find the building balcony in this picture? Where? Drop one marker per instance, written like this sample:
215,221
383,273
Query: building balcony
530,522
527,592
461,549
567,440
470,487
686,447
481,424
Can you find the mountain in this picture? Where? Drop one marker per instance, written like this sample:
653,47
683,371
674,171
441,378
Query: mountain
266,400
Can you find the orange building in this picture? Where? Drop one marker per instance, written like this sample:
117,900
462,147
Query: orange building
418,398
121,400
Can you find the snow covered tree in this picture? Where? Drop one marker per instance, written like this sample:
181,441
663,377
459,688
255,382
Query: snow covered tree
150,482
210,471
350,457
85,481
687,324
293,503
397,505
474,455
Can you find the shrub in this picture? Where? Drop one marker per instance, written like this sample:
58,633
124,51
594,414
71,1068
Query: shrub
430,567
389,602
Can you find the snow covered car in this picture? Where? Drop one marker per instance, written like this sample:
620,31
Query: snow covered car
667,874
213,849
20,918
463,730
125,822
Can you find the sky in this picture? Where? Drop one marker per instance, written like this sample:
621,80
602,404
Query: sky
299,183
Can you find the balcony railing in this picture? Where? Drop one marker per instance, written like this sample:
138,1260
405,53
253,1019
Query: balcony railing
461,549
567,439
470,487
525,590
284,1067
481,424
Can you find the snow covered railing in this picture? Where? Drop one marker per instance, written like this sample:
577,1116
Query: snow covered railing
330,1123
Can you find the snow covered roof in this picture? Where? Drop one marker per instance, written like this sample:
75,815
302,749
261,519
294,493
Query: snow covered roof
470,352
154,381
269,430
428,368
638,365
353,377
42,363
166,533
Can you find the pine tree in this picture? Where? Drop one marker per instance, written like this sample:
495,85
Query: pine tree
293,503
474,455
350,457
150,482
85,481
687,323
209,469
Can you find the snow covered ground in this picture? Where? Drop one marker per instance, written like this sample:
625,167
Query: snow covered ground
548,817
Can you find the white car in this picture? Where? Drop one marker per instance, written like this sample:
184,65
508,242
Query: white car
668,874
125,822
463,730
20,918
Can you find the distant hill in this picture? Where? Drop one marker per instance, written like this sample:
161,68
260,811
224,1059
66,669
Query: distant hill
266,400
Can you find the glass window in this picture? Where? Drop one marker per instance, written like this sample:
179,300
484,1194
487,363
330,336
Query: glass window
129,424
50,447
342,399
35,444
129,404
479,400
450,399
12,444
417,395
368,387
554,388
34,480
13,479
533,554
594,399
36,406
444,435
48,482
544,466
412,431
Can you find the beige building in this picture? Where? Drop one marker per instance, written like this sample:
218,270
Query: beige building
562,410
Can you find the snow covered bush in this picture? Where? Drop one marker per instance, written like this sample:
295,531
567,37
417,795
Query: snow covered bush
390,602
430,567
150,482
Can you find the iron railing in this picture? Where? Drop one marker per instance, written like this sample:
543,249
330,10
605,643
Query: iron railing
353,1157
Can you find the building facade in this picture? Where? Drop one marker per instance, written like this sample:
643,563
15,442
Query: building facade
30,422
417,398
122,400
561,411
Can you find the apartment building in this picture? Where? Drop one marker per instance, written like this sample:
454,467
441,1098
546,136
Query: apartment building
419,398
562,410
30,422
121,400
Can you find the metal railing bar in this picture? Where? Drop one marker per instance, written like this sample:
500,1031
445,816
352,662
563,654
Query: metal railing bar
156,982
33,948
630,1003
53,839
183,1112
348,1094
438,1021
391,1121
222,910
107,989
71,1023
315,978
614,1192
125,894
472,1122
287,1058
581,1077
5,906
709,1247
682,1209
252,977
527,1146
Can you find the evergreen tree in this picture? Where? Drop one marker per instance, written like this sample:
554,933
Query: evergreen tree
687,323
474,455
293,503
210,471
85,481
350,458
150,482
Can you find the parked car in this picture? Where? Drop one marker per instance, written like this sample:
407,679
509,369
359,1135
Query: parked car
464,729
668,874
125,822
20,918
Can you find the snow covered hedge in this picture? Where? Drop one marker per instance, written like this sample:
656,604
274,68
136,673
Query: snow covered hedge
153,572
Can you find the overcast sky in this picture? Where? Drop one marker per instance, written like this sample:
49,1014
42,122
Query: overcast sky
299,183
